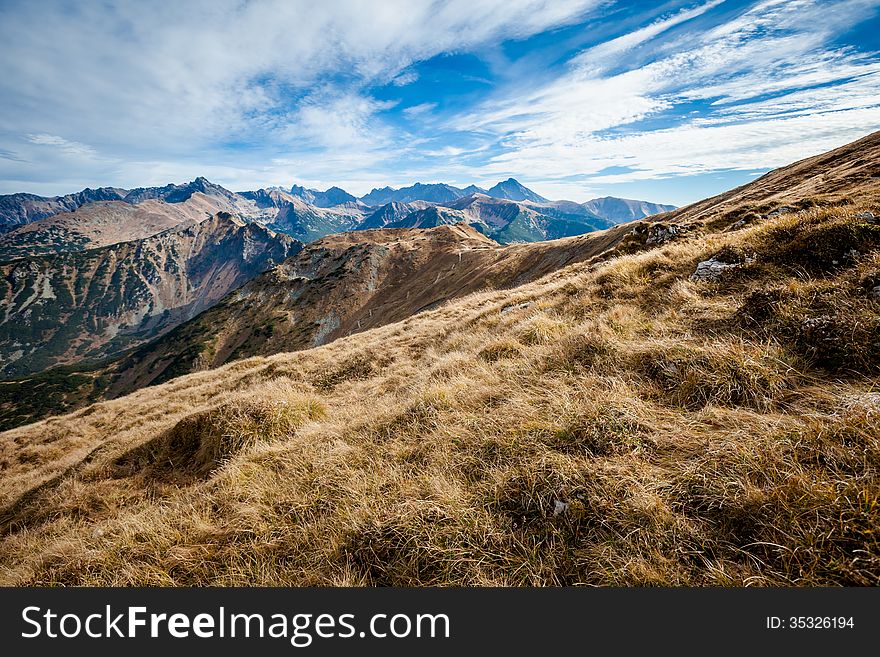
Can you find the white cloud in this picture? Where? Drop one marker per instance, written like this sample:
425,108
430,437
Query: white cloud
823,98
405,78
141,81
595,58
417,110
263,93
65,146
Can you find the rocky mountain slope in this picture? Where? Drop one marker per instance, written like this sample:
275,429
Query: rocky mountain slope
433,193
103,223
390,213
508,221
305,214
623,420
336,286
70,306
20,209
620,210
326,199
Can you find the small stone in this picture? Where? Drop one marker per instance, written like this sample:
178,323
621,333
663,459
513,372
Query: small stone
515,306
711,270
778,211
866,216
559,508
876,292
867,402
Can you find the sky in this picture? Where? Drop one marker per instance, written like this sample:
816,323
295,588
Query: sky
662,101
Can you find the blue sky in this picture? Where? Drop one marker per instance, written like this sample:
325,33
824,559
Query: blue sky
665,101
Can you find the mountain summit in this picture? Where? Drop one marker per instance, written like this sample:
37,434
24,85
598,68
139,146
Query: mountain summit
327,199
514,190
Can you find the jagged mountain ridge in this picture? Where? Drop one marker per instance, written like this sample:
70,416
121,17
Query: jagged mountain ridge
847,172
305,214
390,213
103,223
19,209
336,286
326,199
512,190
432,192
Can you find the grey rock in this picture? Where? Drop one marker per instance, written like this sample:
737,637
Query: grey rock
785,209
866,216
515,306
868,402
876,292
662,233
559,507
711,270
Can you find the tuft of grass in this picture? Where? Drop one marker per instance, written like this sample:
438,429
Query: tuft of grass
500,349
734,376
542,329
200,443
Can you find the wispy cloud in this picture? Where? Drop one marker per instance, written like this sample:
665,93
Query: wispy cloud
66,146
771,90
417,110
405,78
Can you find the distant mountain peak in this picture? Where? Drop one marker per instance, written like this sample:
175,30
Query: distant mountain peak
326,199
514,190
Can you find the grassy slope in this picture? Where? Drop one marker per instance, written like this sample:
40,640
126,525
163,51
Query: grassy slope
359,280
693,434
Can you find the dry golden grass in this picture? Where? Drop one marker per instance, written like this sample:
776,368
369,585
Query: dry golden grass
626,427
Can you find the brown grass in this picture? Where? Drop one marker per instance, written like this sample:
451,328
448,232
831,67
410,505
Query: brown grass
628,427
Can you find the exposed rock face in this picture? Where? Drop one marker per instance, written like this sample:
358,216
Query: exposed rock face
67,307
104,223
513,190
327,199
433,193
390,213
430,217
783,210
20,209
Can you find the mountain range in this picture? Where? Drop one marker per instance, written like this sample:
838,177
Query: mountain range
165,312
90,275
309,214
87,304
